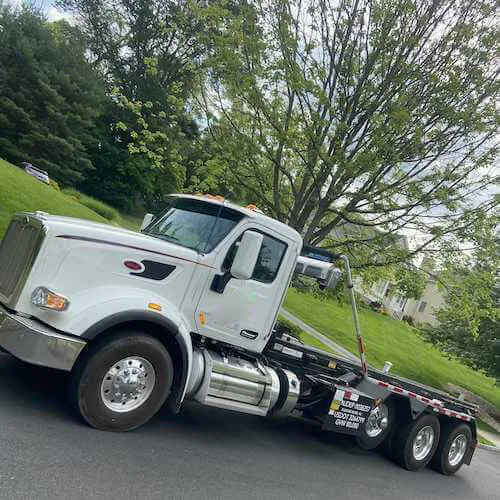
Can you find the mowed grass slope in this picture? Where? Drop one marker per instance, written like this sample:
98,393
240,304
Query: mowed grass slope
20,192
390,340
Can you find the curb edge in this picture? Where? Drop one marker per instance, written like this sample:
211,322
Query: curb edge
494,449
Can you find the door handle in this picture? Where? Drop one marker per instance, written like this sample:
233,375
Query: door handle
249,334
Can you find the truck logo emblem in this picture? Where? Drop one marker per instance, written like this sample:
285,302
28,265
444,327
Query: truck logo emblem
133,265
149,269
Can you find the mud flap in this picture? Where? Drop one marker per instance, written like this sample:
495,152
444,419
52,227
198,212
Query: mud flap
348,411
470,452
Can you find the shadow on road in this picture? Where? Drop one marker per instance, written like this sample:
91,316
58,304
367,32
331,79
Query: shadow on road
279,457
43,392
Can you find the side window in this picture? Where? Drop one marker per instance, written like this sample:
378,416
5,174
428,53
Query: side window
269,259
268,262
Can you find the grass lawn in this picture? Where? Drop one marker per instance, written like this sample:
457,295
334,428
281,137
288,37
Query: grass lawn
304,336
386,339
21,192
314,342
486,427
130,222
483,440
390,340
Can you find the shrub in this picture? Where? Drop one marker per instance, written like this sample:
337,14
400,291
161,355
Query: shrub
97,206
309,285
54,184
285,326
385,311
409,320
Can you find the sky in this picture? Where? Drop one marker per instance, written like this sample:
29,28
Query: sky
53,14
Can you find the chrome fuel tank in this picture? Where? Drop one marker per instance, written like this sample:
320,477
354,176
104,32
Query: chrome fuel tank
234,383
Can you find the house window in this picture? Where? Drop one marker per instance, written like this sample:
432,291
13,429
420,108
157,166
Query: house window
381,288
401,302
421,307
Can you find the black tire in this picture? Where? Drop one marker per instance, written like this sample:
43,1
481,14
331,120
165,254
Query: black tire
440,461
400,413
89,372
367,442
402,448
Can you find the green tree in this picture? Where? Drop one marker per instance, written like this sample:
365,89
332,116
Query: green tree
470,319
50,97
120,179
147,52
358,112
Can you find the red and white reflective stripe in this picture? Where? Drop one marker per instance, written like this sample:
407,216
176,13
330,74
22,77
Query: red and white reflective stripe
361,349
352,396
342,394
434,403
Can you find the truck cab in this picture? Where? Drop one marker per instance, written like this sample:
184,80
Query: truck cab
203,267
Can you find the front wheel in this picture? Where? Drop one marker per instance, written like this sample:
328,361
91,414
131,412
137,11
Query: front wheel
122,381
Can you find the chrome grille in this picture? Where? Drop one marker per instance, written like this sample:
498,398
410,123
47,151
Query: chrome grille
18,251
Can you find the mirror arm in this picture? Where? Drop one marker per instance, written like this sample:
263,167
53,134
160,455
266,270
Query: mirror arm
220,281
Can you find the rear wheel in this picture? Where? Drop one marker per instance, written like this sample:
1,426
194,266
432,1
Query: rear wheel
377,426
453,445
122,381
416,441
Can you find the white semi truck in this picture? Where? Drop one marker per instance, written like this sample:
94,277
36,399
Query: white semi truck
187,309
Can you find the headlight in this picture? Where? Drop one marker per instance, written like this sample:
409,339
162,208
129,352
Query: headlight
46,299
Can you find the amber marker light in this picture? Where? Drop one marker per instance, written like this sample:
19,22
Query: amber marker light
47,299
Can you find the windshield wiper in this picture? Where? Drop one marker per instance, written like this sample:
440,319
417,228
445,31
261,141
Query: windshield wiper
173,239
164,236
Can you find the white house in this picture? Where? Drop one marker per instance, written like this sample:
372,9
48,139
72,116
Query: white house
421,311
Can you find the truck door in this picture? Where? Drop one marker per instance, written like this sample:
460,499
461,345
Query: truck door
243,313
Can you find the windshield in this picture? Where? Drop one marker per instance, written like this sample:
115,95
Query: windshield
194,224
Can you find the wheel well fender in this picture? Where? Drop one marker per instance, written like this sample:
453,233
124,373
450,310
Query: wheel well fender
402,407
451,422
162,328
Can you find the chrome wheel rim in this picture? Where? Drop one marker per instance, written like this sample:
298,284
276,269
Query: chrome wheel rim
377,421
457,450
422,444
128,384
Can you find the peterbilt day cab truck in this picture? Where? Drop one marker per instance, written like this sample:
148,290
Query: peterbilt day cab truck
187,309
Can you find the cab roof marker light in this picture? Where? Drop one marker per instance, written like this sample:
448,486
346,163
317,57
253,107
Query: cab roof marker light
254,208
216,197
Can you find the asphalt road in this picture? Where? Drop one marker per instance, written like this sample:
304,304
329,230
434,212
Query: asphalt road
201,453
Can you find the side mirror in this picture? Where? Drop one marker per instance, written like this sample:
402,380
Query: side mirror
146,221
246,255
332,278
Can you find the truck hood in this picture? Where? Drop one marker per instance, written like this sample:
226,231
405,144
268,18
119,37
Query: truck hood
80,223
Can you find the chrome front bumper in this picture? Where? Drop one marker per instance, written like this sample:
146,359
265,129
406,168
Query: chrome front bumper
36,343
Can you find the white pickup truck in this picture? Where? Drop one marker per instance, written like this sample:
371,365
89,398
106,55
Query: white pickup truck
186,309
